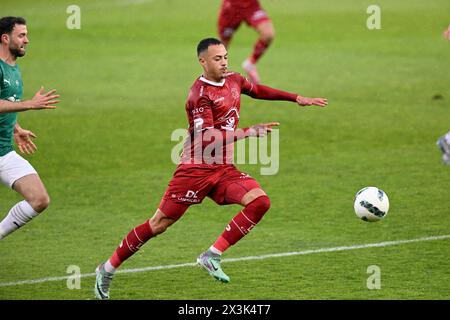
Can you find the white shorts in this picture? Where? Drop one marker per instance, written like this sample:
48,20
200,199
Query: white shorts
13,167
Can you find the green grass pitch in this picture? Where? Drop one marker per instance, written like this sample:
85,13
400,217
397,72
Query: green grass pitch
104,154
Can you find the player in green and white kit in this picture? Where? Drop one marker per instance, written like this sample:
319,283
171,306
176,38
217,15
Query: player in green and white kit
15,171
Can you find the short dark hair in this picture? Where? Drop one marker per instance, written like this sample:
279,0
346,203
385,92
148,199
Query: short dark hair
7,24
205,43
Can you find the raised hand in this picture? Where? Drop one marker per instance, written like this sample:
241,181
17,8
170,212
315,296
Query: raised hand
43,100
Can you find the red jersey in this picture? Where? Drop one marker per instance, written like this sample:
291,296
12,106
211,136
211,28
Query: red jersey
217,105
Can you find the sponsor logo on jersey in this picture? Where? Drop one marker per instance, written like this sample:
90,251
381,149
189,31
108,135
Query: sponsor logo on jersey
198,124
191,196
235,93
197,110
229,114
244,175
229,124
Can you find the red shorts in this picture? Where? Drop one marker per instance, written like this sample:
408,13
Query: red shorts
192,183
231,17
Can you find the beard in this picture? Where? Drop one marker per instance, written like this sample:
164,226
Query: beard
17,52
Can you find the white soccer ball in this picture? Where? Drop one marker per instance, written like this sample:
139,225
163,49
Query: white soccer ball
371,204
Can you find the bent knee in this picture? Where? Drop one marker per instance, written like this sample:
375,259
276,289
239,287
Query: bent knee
158,228
160,224
40,202
268,36
267,33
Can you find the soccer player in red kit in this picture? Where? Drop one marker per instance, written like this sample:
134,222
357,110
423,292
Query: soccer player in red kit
232,14
206,168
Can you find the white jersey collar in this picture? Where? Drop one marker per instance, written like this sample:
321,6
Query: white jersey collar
217,84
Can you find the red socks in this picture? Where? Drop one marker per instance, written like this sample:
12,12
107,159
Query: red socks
242,223
131,244
239,226
258,50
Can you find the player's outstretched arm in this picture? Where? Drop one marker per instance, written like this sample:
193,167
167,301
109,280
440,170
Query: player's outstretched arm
41,100
267,93
22,138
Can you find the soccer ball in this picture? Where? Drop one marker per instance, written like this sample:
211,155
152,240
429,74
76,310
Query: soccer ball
371,204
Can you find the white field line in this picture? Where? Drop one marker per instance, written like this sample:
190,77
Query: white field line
261,257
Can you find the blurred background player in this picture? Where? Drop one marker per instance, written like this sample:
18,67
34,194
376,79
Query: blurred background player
213,108
444,144
446,33
15,171
232,14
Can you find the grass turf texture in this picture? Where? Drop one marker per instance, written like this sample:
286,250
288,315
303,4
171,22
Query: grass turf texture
104,154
